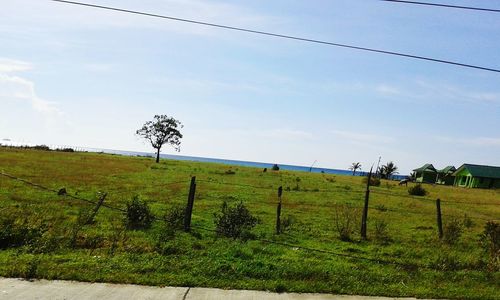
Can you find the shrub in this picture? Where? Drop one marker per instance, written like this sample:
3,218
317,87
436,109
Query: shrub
417,190
17,234
452,232
138,214
467,222
275,167
287,223
490,241
381,232
174,220
374,181
42,147
234,222
345,220
66,150
230,172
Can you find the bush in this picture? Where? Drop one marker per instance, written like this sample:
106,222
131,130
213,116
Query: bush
374,181
174,219
234,222
287,223
381,232
345,221
490,241
66,150
17,234
275,167
452,232
42,147
417,190
138,215
230,172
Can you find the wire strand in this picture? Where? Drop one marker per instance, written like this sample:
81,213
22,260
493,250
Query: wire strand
284,36
444,5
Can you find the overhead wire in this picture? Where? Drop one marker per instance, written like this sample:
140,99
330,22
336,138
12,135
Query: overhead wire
284,36
444,5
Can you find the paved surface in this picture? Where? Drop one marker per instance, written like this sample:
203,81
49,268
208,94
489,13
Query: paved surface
11,288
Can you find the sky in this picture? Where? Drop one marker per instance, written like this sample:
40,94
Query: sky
79,76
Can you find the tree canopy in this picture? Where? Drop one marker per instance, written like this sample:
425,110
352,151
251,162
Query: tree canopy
160,131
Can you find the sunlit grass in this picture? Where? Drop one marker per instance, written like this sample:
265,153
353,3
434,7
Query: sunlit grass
203,260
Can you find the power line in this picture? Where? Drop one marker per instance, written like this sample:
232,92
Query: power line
444,5
290,37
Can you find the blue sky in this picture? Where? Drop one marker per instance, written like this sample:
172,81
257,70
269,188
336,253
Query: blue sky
79,76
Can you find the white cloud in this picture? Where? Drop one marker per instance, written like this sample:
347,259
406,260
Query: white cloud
475,141
11,65
358,137
16,88
387,90
425,90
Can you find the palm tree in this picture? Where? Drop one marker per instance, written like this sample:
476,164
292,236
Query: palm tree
387,170
355,166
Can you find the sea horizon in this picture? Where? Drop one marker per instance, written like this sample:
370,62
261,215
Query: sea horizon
231,162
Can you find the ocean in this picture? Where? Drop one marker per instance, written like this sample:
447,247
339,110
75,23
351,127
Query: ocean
231,162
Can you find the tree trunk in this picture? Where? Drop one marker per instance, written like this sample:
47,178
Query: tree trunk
158,155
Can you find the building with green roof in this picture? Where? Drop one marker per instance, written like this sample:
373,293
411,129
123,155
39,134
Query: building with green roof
426,173
477,176
445,176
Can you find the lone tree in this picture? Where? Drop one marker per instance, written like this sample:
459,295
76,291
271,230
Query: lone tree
355,166
162,130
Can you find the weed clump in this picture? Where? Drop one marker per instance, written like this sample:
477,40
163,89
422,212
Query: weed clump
275,167
235,222
345,219
417,190
382,232
490,241
374,181
453,231
138,215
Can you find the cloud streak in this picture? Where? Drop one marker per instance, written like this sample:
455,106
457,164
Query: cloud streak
16,88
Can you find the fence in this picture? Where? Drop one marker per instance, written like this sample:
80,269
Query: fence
190,204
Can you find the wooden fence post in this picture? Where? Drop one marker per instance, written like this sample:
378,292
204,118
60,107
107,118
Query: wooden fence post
364,217
189,206
439,220
278,211
90,219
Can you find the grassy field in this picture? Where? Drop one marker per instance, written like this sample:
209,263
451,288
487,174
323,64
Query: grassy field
104,251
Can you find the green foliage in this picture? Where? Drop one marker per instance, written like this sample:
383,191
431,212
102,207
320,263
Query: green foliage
234,222
230,172
138,215
452,231
42,147
287,223
275,167
374,181
14,233
382,232
346,217
490,242
381,207
417,190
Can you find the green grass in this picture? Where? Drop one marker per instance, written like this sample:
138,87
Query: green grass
201,259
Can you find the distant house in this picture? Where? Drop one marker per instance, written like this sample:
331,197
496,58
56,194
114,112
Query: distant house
445,176
477,176
427,173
